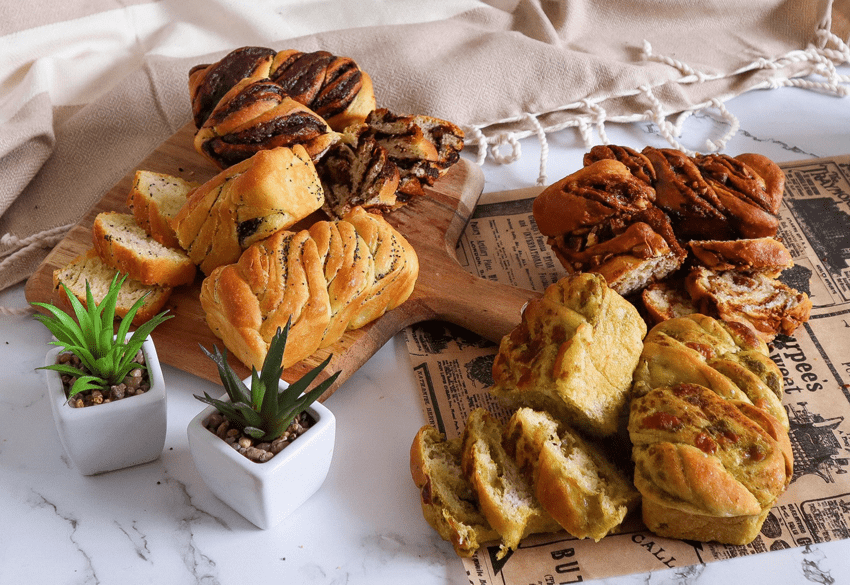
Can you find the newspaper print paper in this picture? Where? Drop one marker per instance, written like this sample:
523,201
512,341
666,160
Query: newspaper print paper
453,368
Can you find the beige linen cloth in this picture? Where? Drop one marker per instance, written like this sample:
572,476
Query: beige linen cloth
502,69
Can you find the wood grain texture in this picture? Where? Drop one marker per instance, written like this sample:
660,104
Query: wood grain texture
432,224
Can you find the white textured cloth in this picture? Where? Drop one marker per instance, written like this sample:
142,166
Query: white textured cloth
87,91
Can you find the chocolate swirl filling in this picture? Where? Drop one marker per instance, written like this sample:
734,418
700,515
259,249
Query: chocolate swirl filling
323,82
211,82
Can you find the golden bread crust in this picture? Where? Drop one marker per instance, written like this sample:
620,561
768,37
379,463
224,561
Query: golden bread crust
572,479
766,255
125,246
245,203
155,199
697,349
698,454
672,523
328,279
572,354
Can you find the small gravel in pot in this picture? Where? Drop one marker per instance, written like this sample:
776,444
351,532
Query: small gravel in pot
135,383
247,446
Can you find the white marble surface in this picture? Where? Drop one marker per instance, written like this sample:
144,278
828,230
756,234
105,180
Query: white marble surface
158,523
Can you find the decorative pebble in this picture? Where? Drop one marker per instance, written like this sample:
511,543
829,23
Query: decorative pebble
216,423
139,383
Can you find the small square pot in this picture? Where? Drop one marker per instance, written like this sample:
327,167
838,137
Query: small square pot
265,493
115,435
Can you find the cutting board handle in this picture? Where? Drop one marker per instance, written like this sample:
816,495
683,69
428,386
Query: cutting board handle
487,308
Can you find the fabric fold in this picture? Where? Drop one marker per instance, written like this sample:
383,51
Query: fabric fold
503,70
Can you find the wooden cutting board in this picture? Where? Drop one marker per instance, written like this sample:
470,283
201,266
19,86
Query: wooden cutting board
432,224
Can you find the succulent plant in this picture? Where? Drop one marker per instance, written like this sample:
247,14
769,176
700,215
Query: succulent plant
107,356
264,411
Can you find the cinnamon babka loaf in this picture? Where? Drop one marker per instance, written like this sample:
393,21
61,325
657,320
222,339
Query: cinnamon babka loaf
602,219
704,202
766,256
333,87
756,300
209,82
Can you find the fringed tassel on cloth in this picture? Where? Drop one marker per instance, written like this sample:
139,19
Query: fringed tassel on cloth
588,114
44,239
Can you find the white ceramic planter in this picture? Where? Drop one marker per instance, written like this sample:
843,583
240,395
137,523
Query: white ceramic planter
115,435
265,493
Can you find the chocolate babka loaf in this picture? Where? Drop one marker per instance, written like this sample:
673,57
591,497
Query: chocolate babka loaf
335,88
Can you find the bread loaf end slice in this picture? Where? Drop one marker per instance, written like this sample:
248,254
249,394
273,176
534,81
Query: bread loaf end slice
126,247
90,267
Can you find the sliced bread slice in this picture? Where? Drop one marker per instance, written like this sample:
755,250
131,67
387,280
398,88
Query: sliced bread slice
573,480
154,200
90,267
763,303
505,497
126,247
766,256
448,500
666,300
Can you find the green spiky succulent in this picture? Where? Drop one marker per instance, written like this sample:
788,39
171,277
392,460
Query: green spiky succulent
107,356
264,411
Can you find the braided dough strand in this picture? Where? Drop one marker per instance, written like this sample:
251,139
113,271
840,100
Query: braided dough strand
335,276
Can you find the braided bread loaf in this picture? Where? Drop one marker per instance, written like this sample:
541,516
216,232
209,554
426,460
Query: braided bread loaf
645,218
245,203
259,115
209,83
572,354
727,358
333,87
602,219
707,468
331,278
712,196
